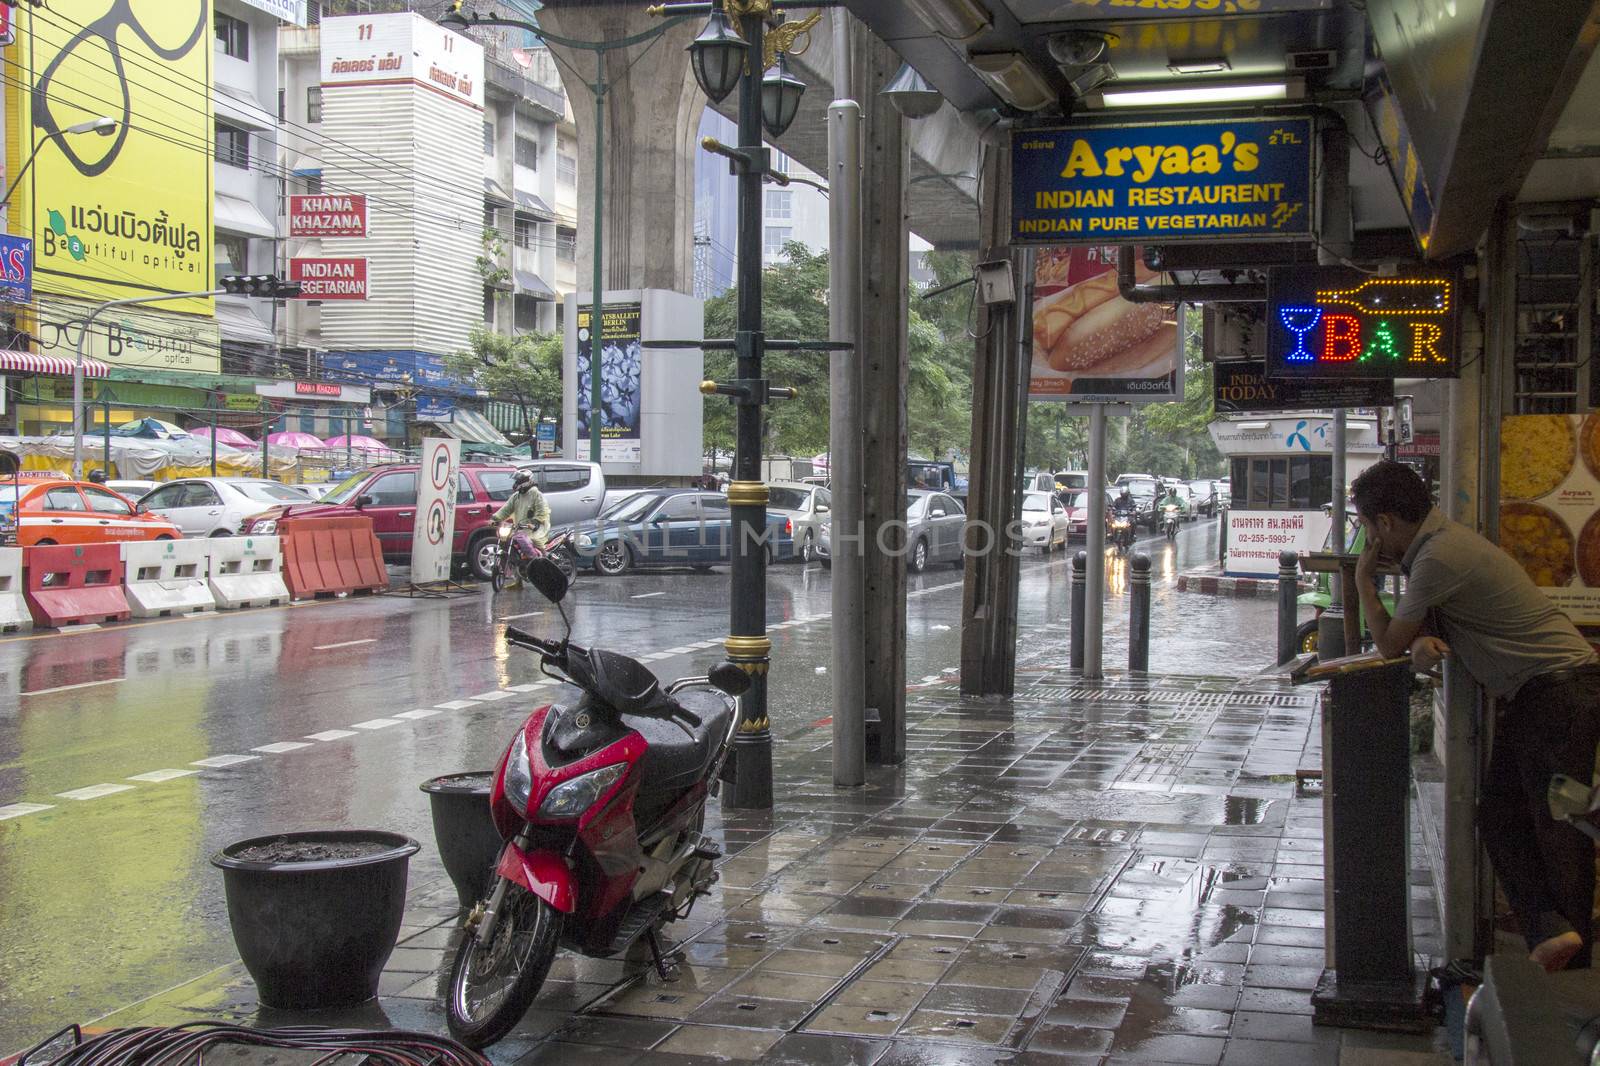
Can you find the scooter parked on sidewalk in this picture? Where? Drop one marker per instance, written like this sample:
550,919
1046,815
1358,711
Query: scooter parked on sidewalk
601,803
558,548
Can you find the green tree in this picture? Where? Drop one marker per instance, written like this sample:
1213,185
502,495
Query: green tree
524,369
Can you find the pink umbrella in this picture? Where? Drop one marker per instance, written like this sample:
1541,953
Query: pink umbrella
295,439
224,436
361,443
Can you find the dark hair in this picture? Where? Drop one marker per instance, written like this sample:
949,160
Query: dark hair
1388,487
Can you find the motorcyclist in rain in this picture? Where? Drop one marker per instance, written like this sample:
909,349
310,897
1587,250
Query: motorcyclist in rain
527,509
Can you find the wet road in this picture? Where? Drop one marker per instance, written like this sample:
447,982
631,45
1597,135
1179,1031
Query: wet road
129,755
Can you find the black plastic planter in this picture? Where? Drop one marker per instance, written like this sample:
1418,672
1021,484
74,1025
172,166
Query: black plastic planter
316,934
463,828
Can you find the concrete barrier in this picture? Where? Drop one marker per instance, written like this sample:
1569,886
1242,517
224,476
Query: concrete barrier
74,584
167,577
14,616
247,572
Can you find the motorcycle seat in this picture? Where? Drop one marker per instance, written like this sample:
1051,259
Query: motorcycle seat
680,754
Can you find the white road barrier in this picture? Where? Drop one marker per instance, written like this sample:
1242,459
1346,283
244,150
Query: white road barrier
167,577
247,572
14,616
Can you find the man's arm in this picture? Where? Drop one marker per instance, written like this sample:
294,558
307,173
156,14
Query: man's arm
505,509
1391,636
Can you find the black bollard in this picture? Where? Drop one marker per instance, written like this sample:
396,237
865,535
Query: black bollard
1080,575
1288,592
1139,613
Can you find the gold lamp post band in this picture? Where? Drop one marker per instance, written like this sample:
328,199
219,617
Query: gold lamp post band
747,494
748,647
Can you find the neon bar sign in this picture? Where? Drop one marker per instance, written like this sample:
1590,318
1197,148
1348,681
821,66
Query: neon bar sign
1334,322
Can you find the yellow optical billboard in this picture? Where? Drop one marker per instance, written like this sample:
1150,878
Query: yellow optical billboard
123,209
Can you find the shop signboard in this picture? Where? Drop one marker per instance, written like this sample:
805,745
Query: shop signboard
1256,537
621,381
1162,181
291,11
235,401
1091,344
433,530
330,277
1550,506
399,47
328,215
16,267
1240,387
1333,322
1155,10
130,337
435,409
321,391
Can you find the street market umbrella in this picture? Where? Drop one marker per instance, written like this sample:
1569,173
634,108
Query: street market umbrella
152,429
224,435
296,439
361,443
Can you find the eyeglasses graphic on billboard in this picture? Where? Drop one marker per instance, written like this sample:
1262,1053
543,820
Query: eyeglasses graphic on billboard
1333,322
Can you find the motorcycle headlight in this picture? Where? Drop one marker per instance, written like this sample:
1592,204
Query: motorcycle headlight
265,527
505,529
571,798
519,774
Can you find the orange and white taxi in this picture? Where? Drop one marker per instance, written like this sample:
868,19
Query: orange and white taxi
75,512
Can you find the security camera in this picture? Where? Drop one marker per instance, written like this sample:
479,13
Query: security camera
1078,48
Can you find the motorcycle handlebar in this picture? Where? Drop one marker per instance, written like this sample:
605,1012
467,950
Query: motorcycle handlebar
523,639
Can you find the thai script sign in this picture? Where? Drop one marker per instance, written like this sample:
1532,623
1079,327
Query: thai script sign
326,215
1162,181
396,48
1332,322
1256,537
330,277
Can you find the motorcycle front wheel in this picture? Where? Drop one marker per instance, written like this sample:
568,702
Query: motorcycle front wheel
492,987
497,574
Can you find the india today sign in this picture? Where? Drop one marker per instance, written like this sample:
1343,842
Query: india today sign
330,277
433,533
325,215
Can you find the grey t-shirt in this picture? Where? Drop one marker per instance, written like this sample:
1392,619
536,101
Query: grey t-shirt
1496,621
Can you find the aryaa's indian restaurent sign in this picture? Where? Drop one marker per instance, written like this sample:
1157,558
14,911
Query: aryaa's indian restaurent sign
126,212
1332,322
1162,182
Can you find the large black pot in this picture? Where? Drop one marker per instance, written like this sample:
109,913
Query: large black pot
463,828
316,934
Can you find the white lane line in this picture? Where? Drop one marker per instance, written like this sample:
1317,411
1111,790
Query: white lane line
455,705
376,723
17,810
282,746
343,644
330,734
490,697
155,777
647,595
421,712
94,792
525,688
217,762
652,657
69,688
524,614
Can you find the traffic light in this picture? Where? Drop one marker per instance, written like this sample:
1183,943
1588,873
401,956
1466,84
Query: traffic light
263,285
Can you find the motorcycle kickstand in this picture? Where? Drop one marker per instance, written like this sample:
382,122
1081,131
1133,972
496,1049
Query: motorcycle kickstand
667,971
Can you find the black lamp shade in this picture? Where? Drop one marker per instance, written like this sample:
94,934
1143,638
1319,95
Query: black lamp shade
717,56
780,97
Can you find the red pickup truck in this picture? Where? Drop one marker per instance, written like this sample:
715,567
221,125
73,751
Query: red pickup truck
388,496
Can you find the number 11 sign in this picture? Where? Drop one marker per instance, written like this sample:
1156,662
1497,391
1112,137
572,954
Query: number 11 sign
1333,322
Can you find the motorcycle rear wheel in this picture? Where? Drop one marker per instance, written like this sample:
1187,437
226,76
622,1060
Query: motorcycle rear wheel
492,988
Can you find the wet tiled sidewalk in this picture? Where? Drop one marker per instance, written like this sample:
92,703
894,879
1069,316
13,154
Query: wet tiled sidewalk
1090,872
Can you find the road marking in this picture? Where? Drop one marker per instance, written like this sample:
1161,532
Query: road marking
421,712
490,697
647,595
69,688
330,734
282,746
652,657
17,810
94,792
376,723
455,705
525,688
155,777
343,644
525,614
217,762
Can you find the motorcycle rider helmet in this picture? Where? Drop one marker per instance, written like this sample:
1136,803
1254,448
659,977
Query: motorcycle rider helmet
523,479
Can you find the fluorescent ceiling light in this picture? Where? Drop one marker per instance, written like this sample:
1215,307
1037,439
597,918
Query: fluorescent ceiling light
1014,78
959,19
1220,65
1234,92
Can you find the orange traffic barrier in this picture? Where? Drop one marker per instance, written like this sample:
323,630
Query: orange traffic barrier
326,556
69,584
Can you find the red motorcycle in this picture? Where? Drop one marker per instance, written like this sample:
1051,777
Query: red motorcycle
601,803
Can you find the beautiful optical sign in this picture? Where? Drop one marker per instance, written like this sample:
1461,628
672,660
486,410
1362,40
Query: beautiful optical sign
1331,322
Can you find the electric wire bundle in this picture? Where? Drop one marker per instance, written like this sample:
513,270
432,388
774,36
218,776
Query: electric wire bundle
179,1044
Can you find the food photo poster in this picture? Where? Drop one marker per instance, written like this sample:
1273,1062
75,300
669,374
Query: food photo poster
1550,506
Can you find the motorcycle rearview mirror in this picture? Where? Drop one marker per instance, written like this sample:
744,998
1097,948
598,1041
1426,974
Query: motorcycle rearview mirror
730,679
548,579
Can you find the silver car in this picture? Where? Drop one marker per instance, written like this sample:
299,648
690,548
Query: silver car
934,525
1044,521
575,491
807,506
217,506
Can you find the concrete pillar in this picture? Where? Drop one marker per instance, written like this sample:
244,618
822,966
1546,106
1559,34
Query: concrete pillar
999,401
652,117
885,365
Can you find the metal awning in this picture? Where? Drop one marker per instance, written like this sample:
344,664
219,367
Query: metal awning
306,166
532,285
29,363
471,426
529,204
242,216
238,324
493,191
241,108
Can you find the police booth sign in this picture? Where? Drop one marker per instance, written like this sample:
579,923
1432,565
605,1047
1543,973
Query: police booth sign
1333,322
1162,182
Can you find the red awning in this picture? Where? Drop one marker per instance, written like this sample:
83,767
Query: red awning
28,363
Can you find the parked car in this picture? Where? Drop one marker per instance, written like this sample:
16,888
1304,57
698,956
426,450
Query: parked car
1076,507
77,512
934,525
575,491
1044,521
806,506
217,506
388,495
671,527
132,489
